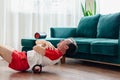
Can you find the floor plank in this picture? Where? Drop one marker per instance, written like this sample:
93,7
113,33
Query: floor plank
73,69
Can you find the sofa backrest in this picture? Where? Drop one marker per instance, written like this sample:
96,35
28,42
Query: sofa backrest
62,32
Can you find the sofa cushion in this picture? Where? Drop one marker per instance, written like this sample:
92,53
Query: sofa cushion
105,47
87,26
84,44
108,26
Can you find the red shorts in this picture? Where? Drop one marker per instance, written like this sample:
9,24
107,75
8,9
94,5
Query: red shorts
19,61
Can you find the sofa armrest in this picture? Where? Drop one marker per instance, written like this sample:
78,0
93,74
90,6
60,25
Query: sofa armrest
62,32
119,41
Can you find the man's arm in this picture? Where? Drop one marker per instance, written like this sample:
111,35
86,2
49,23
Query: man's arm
39,49
41,45
45,44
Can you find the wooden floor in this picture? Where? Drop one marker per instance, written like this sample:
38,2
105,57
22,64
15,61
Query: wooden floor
72,70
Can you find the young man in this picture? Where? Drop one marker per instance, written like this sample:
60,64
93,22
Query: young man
43,53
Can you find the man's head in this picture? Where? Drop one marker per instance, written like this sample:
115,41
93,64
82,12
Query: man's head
67,46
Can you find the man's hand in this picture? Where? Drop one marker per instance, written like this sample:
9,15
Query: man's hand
39,49
40,42
50,46
41,45
45,44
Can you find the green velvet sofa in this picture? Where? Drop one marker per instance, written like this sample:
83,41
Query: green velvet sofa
97,37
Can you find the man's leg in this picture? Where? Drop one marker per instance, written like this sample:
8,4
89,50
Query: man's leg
6,53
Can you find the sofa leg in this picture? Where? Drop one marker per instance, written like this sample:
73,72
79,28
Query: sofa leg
62,60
